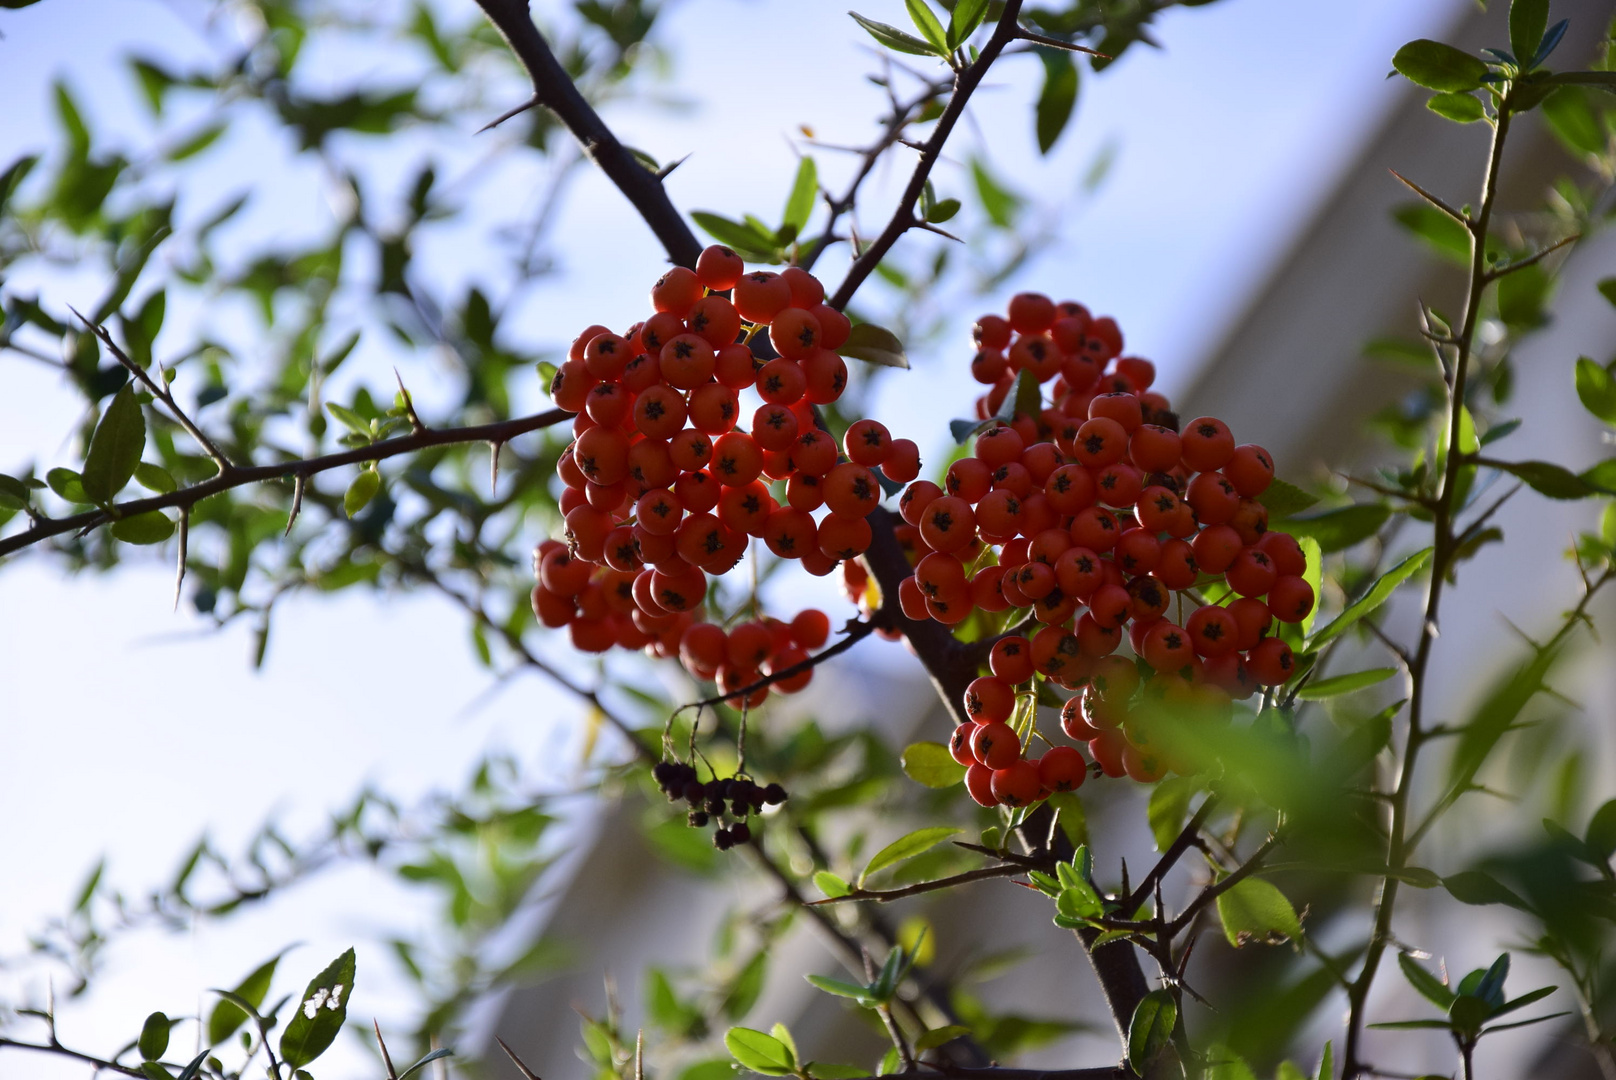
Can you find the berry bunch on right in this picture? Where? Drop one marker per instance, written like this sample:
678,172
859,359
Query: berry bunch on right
1093,517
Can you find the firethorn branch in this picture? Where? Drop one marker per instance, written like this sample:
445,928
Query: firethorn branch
888,895
54,1047
856,631
1175,851
903,218
299,469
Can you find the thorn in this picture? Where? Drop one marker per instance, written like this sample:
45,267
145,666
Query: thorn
929,227
1432,199
525,1071
507,114
297,502
662,173
386,1058
493,468
185,540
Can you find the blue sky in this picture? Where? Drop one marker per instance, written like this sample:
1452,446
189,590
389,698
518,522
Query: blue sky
129,729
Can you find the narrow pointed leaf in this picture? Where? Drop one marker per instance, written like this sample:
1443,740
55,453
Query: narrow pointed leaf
1431,988
893,38
804,190
1344,684
874,345
320,1013
1527,21
1150,1029
963,21
925,21
115,448
1377,595
907,847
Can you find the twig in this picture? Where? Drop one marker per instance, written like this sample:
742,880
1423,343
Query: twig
889,895
856,630
1521,264
1217,889
1184,841
54,1047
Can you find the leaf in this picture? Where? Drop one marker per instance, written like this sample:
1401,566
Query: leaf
998,202
1283,499
1151,1028
1337,530
832,885
1528,998
1337,685
1440,67
154,1036
1056,100
154,478
893,38
1480,888
1494,716
349,419
963,21
320,1013
874,345
440,1052
1377,595
759,1052
1313,574
14,494
1549,479
227,1016
1607,289
748,984
115,448
1441,233
1597,388
925,21
1255,909
66,483
361,491
1571,116
197,143
931,764
744,238
1327,1064
860,994
1601,834
942,210
1460,108
804,190
152,527
1527,21
936,1037
1430,987
824,1070
907,847
1169,806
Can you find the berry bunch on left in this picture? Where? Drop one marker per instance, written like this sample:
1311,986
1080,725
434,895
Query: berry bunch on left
734,799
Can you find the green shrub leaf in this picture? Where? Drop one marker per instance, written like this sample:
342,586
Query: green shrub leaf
115,448
931,764
907,847
1439,67
320,1013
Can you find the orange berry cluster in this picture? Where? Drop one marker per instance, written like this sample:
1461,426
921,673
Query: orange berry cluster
662,488
1101,514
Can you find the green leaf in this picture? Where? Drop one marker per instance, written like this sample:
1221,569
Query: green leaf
746,239
197,143
1430,987
748,984
1327,1064
1529,998
832,885
1441,233
998,202
1460,108
874,345
1151,1028
825,1070
925,21
759,1052
154,478
893,38
1057,99
154,1036
1467,1013
1412,1025
931,764
1527,21
1547,478
1337,685
361,491
1479,888
1440,67
152,527
1602,476
1597,388
1313,574
1495,714
66,483
154,1071
14,494
1283,499
1572,118
349,419
440,1052
227,1016
1256,910
115,448
1607,287
942,210
963,21
1377,595
1169,806
1337,530
1601,834
907,847
936,1037
860,994
320,1013
804,190
1070,816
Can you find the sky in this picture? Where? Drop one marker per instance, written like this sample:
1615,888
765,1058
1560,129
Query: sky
128,730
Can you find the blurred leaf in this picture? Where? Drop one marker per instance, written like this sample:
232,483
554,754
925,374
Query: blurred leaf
1169,807
1150,1029
936,1037
1057,98
1527,21
361,491
1441,233
1460,108
1550,479
759,1052
1430,987
1440,67
1337,530
228,1016
925,21
931,764
999,203
197,143
907,847
1597,388
1478,887
1377,595
942,210
832,885
841,988
154,478
874,345
1496,713
440,1052
115,448
66,483
1283,499
825,1070
1601,833
154,1036
1255,910
893,38
1572,118
748,984
1337,685
804,190
152,527
320,1013
13,177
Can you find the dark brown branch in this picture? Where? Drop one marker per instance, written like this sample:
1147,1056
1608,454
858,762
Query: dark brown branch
856,631
1521,264
903,218
297,468
554,89
1185,840
1217,889
1103,1072
888,895
53,1047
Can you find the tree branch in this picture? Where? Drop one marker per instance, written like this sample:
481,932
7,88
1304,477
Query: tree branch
888,895
554,89
856,630
298,468
53,1047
